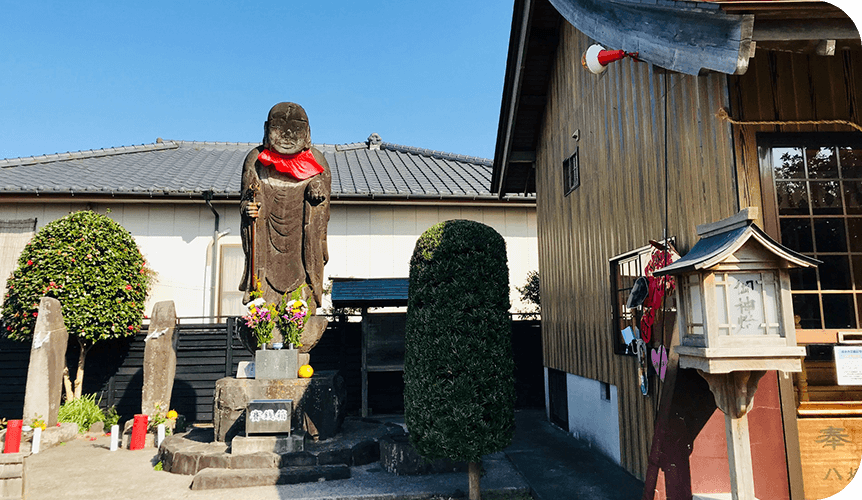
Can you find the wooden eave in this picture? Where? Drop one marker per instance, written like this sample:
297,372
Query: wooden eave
794,25
532,48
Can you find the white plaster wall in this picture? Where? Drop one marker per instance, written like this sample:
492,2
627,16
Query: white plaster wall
367,241
376,241
593,418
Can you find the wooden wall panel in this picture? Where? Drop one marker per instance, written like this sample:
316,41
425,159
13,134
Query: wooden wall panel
620,204
781,86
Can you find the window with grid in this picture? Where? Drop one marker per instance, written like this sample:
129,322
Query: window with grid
818,197
571,173
625,270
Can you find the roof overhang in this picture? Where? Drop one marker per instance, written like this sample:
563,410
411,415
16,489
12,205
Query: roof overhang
369,292
686,37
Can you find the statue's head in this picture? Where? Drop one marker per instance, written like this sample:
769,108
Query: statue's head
286,130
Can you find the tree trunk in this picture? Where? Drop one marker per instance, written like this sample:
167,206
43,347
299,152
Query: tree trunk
67,384
474,472
79,376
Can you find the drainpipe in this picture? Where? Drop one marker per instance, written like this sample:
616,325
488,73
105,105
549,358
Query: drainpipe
208,196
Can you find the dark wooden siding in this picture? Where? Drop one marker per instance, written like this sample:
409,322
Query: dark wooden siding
115,369
620,204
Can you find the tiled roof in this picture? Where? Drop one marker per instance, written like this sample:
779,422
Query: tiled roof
189,169
371,292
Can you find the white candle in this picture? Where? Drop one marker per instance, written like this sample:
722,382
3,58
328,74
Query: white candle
37,440
115,437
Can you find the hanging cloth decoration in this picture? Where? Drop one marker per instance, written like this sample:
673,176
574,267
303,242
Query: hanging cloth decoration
300,166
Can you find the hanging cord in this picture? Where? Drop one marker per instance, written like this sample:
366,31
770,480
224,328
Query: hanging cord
724,115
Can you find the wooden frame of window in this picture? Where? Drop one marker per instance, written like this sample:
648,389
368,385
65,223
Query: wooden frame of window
625,269
812,200
571,173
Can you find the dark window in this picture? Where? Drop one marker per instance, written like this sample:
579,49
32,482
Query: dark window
625,270
818,203
571,173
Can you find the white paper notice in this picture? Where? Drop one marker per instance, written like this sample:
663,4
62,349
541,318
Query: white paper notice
848,365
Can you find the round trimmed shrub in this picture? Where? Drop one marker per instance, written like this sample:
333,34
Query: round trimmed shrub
459,390
89,263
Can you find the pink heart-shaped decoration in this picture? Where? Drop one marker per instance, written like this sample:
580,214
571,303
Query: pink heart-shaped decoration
659,361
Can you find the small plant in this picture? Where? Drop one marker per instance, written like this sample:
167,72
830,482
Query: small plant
261,317
159,416
159,466
38,421
530,294
289,315
112,418
83,411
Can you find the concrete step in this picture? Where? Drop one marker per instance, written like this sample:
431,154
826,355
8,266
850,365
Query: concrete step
210,479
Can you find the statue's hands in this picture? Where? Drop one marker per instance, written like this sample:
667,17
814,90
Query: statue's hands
315,192
253,209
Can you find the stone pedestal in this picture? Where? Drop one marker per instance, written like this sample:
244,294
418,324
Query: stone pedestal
318,403
244,445
275,364
160,359
47,360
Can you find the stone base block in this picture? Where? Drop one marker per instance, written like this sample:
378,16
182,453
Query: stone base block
275,364
318,403
209,479
242,445
12,475
51,437
399,457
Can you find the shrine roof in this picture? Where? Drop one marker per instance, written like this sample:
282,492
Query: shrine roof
191,168
369,292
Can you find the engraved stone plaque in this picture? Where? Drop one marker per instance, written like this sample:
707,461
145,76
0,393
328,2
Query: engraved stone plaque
268,416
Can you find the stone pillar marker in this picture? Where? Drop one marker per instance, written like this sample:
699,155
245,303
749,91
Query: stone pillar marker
47,361
160,358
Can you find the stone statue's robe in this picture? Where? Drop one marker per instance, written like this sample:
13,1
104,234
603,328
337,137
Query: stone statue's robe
289,241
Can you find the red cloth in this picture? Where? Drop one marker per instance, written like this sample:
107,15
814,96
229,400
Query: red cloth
300,166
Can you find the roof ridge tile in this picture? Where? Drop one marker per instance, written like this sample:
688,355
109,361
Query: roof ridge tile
443,155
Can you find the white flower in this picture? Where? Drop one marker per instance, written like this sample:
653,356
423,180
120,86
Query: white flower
258,302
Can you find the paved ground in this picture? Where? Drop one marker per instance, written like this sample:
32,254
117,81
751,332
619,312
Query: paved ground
559,467
542,459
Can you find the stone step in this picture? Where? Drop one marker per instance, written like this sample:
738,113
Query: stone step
210,479
182,456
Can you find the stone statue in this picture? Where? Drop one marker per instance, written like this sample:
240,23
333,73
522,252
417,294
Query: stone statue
285,211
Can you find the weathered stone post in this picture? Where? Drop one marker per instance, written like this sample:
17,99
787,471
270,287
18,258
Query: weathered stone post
160,358
47,360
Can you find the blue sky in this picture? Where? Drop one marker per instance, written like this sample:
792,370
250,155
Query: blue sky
89,75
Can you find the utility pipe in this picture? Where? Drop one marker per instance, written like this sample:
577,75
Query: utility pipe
208,196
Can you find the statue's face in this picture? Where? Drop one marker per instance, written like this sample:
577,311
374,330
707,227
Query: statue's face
287,135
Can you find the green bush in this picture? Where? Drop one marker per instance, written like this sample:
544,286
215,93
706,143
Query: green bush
84,411
93,266
458,370
89,263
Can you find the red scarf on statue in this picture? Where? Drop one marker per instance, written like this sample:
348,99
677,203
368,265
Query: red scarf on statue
300,166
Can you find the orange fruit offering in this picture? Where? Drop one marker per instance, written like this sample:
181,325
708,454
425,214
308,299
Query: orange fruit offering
305,371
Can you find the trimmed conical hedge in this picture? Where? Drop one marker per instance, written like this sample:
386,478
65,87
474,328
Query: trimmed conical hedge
459,389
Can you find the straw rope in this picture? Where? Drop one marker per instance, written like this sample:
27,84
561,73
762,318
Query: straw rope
724,115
